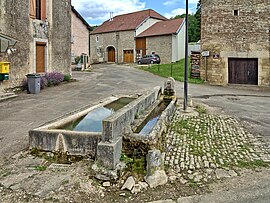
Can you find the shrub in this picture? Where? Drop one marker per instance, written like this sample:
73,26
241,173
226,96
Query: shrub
43,82
67,77
77,59
54,78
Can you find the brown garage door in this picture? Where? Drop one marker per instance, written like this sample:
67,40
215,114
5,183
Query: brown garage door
111,54
40,57
243,71
128,56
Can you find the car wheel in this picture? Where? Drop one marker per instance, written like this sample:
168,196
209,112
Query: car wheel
139,62
152,62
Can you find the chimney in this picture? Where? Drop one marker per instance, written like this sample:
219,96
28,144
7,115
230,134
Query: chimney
111,16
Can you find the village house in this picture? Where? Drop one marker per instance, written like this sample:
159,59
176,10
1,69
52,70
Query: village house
236,34
80,31
125,38
41,30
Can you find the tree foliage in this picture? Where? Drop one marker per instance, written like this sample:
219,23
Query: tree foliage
93,27
194,24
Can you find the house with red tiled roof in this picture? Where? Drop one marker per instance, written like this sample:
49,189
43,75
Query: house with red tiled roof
125,38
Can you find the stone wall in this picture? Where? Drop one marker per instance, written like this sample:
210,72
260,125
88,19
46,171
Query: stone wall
161,45
16,23
60,36
125,41
235,30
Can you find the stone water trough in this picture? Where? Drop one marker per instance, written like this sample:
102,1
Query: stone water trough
99,131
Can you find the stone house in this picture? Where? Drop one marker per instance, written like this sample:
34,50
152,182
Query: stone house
80,31
125,38
42,29
237,36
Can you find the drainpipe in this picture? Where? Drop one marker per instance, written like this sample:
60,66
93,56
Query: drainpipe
117,38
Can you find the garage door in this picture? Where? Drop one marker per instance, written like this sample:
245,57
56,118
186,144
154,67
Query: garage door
128,56
243,71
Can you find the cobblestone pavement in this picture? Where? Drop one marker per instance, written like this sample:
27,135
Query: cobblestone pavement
203,146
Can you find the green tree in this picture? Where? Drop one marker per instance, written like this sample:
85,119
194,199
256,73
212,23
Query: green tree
93,27
198,17
193,29
194,24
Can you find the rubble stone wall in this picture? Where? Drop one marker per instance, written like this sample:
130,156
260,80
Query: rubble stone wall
233,29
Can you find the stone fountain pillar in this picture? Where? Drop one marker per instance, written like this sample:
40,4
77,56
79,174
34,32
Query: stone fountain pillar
169,91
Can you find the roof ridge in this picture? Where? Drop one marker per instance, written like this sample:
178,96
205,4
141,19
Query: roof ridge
128,21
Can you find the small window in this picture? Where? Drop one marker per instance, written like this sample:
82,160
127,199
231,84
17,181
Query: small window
236,12
97,38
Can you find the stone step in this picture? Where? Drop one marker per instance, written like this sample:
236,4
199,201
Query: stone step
6,96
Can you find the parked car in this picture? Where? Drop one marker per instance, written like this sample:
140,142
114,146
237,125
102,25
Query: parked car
150,58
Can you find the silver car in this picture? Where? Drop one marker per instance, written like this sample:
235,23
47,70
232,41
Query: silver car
150,58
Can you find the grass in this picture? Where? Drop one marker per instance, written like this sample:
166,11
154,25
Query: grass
175,70
40,168
252,164
200,109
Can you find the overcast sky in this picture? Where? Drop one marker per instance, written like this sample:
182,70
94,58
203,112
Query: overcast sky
97,11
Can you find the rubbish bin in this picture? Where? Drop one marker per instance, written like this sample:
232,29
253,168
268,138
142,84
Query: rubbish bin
33,82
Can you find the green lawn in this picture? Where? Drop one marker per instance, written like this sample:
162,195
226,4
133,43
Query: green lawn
177,71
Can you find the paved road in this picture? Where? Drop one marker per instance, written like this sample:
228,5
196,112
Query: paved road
250,187
29,111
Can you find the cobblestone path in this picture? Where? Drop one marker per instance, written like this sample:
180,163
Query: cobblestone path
197,143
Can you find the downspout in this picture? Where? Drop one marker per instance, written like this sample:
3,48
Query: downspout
89,48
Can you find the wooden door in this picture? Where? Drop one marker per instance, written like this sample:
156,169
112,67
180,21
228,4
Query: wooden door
243,71
111,54
40,57
141,45
128,56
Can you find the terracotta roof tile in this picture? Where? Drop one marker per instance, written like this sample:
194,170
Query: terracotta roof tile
163,28
127,21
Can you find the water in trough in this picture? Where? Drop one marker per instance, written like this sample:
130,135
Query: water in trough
92,122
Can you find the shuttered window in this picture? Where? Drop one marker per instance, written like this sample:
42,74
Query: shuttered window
38,9
33,8
43,10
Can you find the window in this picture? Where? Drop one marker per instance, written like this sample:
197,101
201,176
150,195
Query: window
38,9
97,38
236,12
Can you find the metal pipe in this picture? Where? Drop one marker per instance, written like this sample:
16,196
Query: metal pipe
186,61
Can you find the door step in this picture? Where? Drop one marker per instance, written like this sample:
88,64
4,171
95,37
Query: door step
7,96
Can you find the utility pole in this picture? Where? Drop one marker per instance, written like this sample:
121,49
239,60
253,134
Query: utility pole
186,61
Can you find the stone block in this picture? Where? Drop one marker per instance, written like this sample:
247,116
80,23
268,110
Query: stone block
119,123
108,154
155,161
155,169
75,143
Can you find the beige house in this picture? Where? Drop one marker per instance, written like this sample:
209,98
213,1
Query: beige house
125,38
80,30
41,29
237,38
